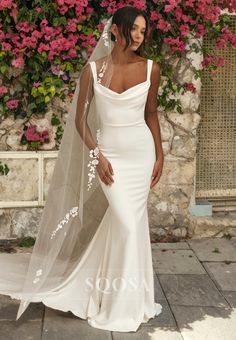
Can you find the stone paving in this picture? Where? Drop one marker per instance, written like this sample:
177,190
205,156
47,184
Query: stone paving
195,281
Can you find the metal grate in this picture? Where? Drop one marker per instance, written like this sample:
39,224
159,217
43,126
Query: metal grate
216,152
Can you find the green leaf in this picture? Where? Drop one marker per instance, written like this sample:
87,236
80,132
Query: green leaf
52,89
6,169
27,242
174,87
59,21
67,66
47,99
55,120
3,69
42,90
34,91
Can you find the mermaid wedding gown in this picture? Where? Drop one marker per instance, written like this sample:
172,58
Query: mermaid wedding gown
112,286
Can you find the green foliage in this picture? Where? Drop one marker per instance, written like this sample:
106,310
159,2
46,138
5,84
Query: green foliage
44,75
3,169
55,121
27,242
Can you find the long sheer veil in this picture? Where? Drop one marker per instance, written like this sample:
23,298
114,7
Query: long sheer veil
75,202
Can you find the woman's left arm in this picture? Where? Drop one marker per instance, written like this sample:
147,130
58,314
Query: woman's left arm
151,118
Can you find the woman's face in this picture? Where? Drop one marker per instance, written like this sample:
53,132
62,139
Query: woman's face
137,34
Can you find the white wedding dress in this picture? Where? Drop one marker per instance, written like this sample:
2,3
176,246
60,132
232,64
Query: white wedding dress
113,285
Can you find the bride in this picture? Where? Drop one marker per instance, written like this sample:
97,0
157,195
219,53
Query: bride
92,254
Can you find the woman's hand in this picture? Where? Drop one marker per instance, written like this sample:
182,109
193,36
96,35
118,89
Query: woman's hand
104,169
157,171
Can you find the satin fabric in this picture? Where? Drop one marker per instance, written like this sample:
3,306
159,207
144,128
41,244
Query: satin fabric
113,285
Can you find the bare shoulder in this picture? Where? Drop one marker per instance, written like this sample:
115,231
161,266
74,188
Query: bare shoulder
86,72
155,68
141,60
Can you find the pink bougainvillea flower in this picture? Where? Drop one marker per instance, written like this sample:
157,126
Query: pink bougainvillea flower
12,104
190,87
3,89
25,26
79,6
18,62
207,60
2,35
141,4
175,43
163,25
72,25
56,69
233,41
190,3
89,10
184,29
200,31
65,77
44,135
6,4
6,46
221,42
155,16
220,62
71,54
32,135
178,14
172,4
100,26
37,84
39,9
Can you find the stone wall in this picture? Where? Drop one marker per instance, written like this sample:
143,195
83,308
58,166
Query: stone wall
174,194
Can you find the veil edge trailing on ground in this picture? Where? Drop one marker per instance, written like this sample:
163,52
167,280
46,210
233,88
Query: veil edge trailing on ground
75,201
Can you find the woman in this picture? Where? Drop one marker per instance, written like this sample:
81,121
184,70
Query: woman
97,262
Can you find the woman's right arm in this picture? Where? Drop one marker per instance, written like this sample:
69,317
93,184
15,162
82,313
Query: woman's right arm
104,167
84,98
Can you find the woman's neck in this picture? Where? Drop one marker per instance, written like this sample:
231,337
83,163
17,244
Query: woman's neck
119,56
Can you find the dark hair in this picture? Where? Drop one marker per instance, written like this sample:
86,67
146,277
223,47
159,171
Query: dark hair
124,19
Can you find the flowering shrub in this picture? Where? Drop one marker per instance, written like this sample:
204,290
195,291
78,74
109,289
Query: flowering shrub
42,43
34,138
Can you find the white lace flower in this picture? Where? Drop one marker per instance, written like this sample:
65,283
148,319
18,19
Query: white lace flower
38,273
101,72
94,153
73,212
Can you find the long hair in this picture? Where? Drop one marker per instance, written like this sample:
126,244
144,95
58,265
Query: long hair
124,19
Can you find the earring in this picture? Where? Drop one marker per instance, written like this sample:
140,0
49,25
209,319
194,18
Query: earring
115,39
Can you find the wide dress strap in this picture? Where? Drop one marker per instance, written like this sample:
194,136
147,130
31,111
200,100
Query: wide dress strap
149,66
94,71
